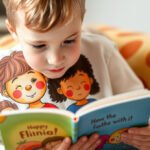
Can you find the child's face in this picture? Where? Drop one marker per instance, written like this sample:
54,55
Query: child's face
53,52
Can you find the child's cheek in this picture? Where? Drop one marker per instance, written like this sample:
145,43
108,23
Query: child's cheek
40,84
69,93
17,94
87,87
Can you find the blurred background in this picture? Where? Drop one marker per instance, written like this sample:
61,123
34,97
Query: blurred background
3,29
127,14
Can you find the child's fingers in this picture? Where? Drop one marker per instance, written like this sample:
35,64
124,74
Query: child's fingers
65,144
94,145
92,142
83,140
84,143
140,142
54,146
126,136
140,131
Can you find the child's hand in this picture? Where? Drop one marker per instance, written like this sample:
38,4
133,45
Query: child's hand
138,137
83,143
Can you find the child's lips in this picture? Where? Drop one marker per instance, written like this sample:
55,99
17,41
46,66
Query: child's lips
56,70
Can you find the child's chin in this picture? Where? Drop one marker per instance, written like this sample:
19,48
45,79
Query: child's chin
55,76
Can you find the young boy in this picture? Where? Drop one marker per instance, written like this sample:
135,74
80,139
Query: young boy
49,33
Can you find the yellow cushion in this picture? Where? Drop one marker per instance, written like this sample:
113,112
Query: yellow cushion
134,47
6,42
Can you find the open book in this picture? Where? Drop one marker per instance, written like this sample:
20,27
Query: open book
33,129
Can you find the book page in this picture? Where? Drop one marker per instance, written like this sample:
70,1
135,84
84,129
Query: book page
112,100
111,121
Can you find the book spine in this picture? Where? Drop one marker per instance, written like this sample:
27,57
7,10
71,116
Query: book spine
75,130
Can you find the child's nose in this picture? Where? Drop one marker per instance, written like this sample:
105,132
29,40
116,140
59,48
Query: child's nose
55,58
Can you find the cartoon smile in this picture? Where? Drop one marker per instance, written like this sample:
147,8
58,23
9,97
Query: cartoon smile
80,94
31,96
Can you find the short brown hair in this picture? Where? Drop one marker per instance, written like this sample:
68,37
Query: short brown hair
11,67
42,15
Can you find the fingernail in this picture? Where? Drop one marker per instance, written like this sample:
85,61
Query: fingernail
96,136
84,139
67,140
130,131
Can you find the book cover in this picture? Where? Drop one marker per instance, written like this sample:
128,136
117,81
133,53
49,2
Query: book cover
108,117
34,129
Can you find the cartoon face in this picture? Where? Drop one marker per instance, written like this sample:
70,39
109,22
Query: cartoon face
26,88
77,87
115,136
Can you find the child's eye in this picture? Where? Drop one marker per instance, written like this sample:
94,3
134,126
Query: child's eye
39,46
69,41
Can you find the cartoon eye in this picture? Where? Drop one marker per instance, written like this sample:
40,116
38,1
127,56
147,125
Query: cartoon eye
69,87
18,86
33,80
82,82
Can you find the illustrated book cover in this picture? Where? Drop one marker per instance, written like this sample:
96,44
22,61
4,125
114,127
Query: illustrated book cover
34,128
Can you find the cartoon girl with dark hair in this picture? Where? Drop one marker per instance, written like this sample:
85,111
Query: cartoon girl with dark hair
21,83
76,84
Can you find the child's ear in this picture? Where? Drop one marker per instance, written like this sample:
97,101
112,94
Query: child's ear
5,93
11,29
91,81
59,91
46,79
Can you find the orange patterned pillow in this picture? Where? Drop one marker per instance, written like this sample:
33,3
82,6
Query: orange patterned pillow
6,42
134,47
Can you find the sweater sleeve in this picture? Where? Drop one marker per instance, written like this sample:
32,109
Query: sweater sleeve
122,77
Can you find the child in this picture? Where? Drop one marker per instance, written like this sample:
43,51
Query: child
49,33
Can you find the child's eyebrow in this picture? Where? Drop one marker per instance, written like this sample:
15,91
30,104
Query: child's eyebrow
41,42
36,42
74,34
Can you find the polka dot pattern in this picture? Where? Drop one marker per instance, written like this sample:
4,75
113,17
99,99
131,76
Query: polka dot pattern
148,59
130,48
6,42
124,34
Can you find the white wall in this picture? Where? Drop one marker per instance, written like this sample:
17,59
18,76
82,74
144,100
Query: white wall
128,14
